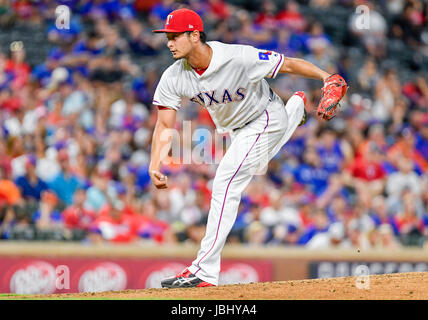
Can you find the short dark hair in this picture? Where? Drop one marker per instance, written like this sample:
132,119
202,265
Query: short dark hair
202,35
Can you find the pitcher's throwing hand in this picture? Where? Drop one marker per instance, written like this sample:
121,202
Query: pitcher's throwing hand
159,180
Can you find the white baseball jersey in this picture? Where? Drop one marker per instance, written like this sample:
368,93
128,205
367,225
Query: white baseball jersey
232,88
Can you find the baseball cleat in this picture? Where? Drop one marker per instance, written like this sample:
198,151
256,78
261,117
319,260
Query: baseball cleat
186,279
302,95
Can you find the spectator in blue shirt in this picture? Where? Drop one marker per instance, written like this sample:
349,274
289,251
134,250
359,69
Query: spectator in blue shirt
65,34
162,9
320,224
330,151
311,174
422,140
30,185
42,72
316,31
124,9
65,183
378,212
92,46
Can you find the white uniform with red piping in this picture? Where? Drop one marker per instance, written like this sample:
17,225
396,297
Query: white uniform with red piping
234,91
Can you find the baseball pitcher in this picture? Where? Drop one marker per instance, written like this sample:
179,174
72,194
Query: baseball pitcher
229,81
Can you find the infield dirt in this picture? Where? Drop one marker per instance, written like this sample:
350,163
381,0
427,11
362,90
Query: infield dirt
398,286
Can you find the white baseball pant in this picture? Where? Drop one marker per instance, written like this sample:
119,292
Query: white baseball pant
252,147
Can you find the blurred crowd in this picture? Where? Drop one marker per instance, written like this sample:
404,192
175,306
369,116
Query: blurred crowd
77,127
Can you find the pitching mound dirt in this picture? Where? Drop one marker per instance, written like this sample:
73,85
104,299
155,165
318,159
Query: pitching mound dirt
399,286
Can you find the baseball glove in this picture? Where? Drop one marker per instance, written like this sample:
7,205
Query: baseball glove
333,91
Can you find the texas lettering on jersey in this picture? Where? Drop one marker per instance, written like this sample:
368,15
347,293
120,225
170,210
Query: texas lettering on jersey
210,98
233,88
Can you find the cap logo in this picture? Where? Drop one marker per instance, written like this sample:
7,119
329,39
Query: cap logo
190,26
168,18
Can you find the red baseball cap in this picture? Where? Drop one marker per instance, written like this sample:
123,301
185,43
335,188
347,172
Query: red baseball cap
182,20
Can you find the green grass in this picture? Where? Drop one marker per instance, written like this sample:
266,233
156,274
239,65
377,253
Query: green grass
14,296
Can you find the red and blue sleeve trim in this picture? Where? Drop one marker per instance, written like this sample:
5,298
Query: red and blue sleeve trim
275,72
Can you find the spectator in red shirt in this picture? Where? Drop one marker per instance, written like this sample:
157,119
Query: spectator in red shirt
9,102
306,211
17,66
23,8
367,174
267,15
290,17
368,168
114,224
77,216
219,9
151,228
